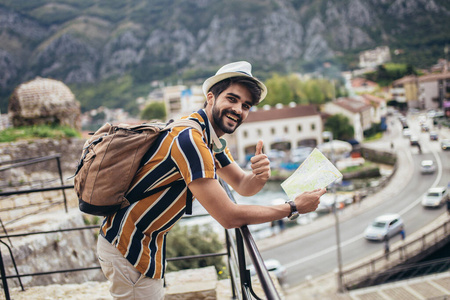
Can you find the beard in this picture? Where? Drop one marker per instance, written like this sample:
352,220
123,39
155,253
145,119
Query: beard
221,117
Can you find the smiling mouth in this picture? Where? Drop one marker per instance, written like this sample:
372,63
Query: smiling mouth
232,118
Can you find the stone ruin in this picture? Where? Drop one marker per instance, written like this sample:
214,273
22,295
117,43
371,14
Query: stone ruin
44,101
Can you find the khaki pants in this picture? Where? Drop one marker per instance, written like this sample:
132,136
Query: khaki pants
126,281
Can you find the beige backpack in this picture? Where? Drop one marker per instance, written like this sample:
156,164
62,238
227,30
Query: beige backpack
109,161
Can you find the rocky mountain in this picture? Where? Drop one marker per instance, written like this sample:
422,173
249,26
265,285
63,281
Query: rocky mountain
86,41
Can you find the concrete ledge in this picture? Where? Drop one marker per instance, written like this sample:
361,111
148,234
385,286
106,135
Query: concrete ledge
192,284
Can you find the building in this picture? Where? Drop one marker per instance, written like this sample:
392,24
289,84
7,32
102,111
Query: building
405,91
279,127
374,57
172,100
379,106
434,90
362,86
179,100
357,111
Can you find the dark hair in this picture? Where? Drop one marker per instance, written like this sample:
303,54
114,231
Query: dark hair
251,85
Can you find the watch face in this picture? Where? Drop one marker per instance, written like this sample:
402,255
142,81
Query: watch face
294,216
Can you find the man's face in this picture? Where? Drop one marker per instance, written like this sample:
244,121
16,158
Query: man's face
230,108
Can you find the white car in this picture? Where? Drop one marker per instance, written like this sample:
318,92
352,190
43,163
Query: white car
427,167
384,227
274,266
435,197
406,132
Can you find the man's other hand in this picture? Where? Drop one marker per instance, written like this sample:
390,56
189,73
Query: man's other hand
260,163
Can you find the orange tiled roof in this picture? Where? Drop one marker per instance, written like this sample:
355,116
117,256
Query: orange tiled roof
434,77
282,113
359,82
403,80
352,105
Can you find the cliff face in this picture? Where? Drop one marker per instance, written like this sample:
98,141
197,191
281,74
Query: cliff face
86,41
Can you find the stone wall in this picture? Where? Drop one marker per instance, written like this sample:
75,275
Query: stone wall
38,175
53,251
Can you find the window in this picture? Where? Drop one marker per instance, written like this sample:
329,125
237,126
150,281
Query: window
286,129
272,130
244,133
259,132
313,126
299,128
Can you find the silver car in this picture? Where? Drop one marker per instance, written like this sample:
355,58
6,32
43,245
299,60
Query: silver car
427,167
274,266
384,227
435,197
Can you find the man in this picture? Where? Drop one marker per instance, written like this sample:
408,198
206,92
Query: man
185,162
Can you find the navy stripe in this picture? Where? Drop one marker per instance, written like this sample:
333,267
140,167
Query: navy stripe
136,247
162,204
161,171
223,159
112,231
190,152
153,247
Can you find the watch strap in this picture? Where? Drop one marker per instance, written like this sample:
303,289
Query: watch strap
293,207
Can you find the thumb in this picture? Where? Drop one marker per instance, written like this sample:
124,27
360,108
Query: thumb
259,147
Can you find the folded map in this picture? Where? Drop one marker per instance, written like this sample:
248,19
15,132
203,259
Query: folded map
315,172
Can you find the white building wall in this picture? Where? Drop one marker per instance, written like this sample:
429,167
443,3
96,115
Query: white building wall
355,118
281,130
427,91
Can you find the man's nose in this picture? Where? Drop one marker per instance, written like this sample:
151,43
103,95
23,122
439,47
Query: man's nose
237,108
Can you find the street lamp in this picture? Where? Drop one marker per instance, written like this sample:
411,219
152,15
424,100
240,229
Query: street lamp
329,136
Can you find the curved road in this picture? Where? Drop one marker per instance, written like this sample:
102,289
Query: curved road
316,254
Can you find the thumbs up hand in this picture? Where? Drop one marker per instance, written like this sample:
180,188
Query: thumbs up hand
260,163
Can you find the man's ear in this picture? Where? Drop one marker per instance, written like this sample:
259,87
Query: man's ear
210,98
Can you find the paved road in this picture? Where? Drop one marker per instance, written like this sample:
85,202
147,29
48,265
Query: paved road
310,255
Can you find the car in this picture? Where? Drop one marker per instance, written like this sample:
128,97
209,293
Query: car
276,154
384,227
414,140
434,136
274,266
427,167
424,128
445,144
298,155
435,197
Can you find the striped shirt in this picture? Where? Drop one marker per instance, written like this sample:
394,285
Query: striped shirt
176,158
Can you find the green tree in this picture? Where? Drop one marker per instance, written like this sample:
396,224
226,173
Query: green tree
279,91
340,126
154,110
290,88
195,240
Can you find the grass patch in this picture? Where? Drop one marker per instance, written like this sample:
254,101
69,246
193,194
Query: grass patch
38,131
367,164
374,137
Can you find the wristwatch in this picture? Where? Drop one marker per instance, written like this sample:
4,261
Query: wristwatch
294,213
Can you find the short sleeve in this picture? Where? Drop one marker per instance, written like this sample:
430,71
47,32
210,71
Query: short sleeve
223,158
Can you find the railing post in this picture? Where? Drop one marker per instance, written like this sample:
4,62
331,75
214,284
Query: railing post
233,284
4,281
62,182
241,261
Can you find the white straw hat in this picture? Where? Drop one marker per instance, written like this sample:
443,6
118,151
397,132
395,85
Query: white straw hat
240,68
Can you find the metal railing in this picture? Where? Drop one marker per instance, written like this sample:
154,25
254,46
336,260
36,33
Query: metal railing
375,269
23,190
237,242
